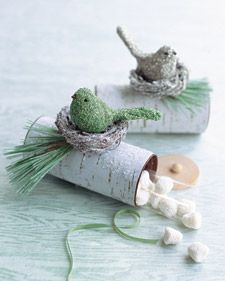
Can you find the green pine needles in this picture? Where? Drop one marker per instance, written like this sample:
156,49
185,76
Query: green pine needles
193,97
32,161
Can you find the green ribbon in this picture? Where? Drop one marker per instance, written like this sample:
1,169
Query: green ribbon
134,214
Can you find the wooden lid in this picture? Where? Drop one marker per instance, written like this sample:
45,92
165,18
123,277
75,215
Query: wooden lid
180,168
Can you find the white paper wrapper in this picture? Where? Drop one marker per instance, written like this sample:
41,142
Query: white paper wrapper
173,121
113,173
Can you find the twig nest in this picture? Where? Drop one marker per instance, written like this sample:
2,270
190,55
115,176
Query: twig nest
192,220
185,206
159,88
168,207
198,252
163,185
86,142
172,236
145,181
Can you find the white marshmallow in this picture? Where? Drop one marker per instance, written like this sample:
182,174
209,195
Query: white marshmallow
145,181
198,252
172,236
154,200
164,185
168,207
192,220
151,186
142,197
185,207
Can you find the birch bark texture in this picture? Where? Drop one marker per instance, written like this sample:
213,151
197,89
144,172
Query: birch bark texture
114,173
180,120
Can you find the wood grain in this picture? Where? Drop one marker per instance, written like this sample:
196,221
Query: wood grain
47,50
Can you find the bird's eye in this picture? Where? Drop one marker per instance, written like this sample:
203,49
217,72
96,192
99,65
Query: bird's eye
174,53
85,100
166,53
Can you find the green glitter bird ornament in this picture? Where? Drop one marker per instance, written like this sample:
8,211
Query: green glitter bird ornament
90,114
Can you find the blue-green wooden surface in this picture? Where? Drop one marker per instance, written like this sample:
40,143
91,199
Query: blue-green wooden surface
47,50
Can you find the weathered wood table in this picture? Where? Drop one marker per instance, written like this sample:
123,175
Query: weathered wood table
47,50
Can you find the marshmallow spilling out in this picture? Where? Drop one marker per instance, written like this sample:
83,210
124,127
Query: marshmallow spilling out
142,197
184,207
156,194
154,200
198,252
192,220
145,182
168,207
145,186
163,185
172,236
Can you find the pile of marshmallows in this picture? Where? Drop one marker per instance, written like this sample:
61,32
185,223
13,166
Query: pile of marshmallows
156,194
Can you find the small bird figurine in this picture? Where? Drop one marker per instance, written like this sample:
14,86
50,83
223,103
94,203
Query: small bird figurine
90,114
151,66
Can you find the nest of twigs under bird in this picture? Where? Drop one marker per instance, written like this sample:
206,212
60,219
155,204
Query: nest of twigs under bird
159,88
90,142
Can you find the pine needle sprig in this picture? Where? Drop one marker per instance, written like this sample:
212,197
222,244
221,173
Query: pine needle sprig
193,97
33,160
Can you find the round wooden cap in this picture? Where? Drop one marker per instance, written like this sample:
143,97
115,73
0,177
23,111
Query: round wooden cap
180,168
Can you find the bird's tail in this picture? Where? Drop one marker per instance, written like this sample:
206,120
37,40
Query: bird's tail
129,43
137,113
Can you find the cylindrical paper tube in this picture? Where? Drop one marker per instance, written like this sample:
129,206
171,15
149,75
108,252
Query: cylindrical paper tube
114,173
181,120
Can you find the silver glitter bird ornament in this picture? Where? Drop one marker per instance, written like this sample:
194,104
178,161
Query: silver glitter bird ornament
152,66
158,73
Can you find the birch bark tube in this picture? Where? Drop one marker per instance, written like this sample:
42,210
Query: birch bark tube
173,121
113,173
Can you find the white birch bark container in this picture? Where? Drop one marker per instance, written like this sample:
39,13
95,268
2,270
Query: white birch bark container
173,121
114,173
